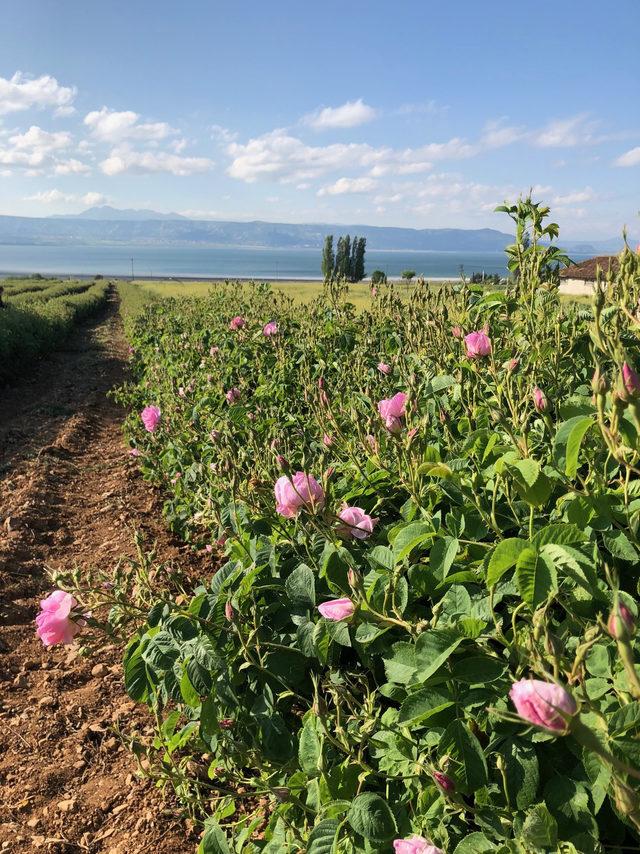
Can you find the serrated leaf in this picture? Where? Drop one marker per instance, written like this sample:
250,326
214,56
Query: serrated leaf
323,837
371,817
423,704
540,829
536,577
461,745
442,555
504,557
214,841
300,586
433,648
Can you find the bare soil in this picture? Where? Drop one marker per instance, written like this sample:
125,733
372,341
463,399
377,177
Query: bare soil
71,495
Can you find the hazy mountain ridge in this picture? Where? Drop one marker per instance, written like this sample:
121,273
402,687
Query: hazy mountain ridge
141,227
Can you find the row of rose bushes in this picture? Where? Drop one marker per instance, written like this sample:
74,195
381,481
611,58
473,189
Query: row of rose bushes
418,633
37,316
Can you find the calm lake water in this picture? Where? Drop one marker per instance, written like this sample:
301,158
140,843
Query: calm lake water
229,262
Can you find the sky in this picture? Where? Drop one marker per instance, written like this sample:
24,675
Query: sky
410,113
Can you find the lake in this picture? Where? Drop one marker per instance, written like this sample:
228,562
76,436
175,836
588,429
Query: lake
220,262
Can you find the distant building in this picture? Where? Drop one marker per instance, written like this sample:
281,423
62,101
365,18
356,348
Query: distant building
580,278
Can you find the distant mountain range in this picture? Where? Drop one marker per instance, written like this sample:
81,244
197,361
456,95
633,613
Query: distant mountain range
107,225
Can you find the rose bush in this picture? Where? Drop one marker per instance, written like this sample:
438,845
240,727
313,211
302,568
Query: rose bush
459,676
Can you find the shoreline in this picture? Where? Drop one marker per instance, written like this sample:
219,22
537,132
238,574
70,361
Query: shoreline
8,274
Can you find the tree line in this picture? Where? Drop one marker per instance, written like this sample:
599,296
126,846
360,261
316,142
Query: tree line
347,261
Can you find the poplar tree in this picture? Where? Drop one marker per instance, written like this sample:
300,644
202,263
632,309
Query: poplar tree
328,257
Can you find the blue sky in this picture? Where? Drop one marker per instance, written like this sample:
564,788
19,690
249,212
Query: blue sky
414,113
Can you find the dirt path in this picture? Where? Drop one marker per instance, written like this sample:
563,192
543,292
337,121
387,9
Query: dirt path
70,495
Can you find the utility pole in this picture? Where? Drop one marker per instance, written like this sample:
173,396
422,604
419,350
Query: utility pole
132,269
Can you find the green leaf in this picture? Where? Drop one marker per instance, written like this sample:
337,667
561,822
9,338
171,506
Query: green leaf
423,704
401,668
574,441
442,555
323,837
560,533
531,482
136,680
410,537
214,841
371,817
536,577
188,691
521,773
540,829
300,586
475,843
619,545
504,557
433,648
309,744
461,745
199,677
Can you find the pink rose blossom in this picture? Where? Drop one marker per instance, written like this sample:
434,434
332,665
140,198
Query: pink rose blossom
232,395
631,380
208,548
539,400
237,322
457,332
392,411
135,452
384,368
292,494
477,345
327,441
226,723
213,351
415,845
150,418
544,704
356,523
337,609
54,623
270,329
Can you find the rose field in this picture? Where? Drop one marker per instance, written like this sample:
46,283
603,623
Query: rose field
407,617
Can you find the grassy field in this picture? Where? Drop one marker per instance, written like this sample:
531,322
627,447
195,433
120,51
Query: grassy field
299,291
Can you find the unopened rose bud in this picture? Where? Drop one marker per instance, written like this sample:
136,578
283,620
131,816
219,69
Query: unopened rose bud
443,416
373,443
282,462
354,579
282,793
621,623
457,332
539,400
221,541
324,400
444,781
511,365
321,383
329,472
228,611
631,380
327,441
226,723
599,383
411,434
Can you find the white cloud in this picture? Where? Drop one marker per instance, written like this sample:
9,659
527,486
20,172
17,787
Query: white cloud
22,93
629,158
222,134
496,135
34,148
71,167
113,126
279,156
57,197
124,159
566,133
348,115
575,198
348,185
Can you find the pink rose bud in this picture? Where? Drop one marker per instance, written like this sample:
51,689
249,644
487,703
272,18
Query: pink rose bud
444,781
208,548
237,322
356,523
228,611
213,351
353,578
176,477
150,418
221,541
374,291
232,395
384,368
327,441
292,494
511,365
54,622
270,329
457,332
543,704
412,433
181,391
392,411
539,400
283,462
324,400
329,473
321,383
226,723
337,609
631,380
135,452
373,443
214,435
621,623
477,345
415,845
